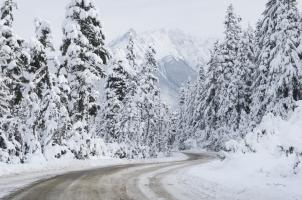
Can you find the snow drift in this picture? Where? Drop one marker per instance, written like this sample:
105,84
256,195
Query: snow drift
266,164
274,147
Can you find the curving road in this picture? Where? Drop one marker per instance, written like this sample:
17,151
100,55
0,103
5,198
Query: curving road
122,182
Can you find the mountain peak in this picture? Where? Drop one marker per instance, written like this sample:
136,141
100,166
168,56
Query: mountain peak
131,32
168,42
179,55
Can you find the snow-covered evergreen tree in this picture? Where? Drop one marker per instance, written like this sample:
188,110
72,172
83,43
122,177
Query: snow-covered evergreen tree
150,100
278,83
212,98
39,81
11,49
5,97
227,101
6,10
192,95
84,60
165,139
171,138
7,148
198,114
229,108
131,55
187,109
51,118
246,74
130,118
116,90
13,61
182,123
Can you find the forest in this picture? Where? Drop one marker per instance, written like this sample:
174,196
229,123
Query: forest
82,101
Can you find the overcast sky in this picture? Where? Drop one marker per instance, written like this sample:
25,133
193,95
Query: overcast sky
202,18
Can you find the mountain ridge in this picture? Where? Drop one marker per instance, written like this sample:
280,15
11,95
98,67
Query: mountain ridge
178,54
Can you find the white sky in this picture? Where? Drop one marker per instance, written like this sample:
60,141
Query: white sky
203,18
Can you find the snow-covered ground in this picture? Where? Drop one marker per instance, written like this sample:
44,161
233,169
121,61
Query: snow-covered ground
230,180
266,165
13,177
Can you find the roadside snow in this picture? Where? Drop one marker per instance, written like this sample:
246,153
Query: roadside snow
14,177
232,179
266,165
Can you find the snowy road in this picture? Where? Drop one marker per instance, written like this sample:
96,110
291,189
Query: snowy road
122,182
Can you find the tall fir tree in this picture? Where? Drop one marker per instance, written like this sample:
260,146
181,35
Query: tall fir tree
192,95
198,114
278,83
7,146
7,16
229,110
13,61
172,131
228,87
246,74
116,90
181,115
212,97
165,143
51,120
5,97
130,115
227,99
84,58
187,109
150,100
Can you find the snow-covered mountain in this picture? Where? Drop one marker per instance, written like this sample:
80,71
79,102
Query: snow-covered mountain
179,56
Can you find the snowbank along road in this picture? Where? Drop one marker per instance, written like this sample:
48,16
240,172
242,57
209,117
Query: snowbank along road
122,182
